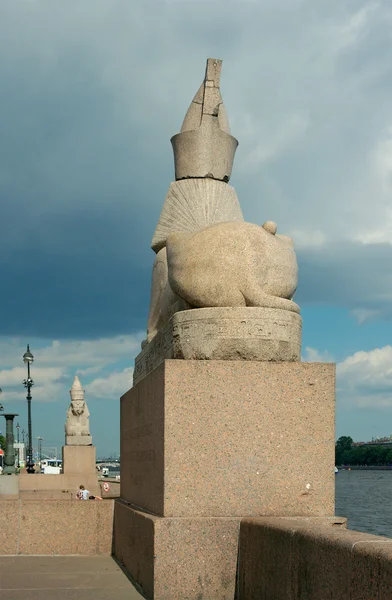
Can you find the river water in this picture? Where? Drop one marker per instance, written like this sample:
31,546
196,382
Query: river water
365,498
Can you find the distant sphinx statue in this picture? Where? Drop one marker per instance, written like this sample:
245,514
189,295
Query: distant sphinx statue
207,256
77,429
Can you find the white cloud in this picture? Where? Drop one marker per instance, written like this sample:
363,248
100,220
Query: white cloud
364,379
50,391
362,315
56,362
79,354
12,377
111,387
314,355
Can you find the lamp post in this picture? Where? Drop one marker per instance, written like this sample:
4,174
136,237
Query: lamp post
28,358
9,459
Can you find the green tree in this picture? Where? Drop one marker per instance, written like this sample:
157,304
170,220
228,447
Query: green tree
2,442
342,448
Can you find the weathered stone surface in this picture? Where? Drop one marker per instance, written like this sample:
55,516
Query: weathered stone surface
192,204
177,558
78,440
226,264
68,483
303,558
164,302
54,527
153,353
230,438
205,148
248,333
77,426
81,460
264,334
233,264
206,255
9,487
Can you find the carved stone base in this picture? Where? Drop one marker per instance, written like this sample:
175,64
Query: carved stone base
79,440
251,333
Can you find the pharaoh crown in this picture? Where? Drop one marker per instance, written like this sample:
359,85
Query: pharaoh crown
76,391
205,148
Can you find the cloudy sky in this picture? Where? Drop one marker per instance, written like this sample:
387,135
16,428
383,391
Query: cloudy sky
91,92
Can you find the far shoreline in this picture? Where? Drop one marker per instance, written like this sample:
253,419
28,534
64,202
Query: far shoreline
365,468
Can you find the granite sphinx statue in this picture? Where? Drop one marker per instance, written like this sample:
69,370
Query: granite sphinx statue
207,256
77,428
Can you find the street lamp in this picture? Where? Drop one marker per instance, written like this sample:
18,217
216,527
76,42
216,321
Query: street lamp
28,358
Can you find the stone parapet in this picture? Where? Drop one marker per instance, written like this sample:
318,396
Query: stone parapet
65,483
56,527
177,558
292,559
9,487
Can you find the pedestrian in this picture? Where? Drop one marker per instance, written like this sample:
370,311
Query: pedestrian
82,494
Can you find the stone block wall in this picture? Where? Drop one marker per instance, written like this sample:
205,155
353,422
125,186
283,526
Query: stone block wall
56,527
311,559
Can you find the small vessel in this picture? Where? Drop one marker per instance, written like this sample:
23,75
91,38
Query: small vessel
336,470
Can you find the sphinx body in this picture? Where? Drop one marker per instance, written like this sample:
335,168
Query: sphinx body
206,255
224,265
77,419
77,428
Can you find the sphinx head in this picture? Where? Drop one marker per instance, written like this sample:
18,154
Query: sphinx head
77,407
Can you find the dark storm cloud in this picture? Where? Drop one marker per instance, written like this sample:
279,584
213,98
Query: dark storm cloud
91,94
52,294
352,275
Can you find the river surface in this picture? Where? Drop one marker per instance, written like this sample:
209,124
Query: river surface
365,498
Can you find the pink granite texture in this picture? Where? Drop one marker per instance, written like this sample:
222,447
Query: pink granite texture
79,459
9,527
67,484
299,558
54,527
177,558
229,439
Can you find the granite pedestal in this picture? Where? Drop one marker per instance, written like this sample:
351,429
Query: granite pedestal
207,442
79,467
79,459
